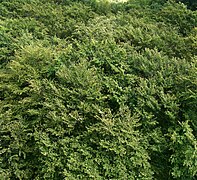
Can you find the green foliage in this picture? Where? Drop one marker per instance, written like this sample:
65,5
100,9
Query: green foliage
98,90
184,147
190,3
180,16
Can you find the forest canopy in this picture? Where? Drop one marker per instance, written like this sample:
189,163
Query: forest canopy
98,90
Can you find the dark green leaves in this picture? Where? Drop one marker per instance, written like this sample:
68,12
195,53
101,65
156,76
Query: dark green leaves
97,90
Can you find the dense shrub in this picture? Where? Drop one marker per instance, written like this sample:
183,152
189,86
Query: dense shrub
98,90
190,3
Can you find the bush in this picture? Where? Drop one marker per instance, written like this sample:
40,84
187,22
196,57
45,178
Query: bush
91,93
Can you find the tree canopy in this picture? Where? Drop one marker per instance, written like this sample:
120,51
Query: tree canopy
98,90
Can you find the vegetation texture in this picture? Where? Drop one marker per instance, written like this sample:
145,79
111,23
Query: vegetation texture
98,90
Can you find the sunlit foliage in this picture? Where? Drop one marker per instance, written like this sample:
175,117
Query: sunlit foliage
98,90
